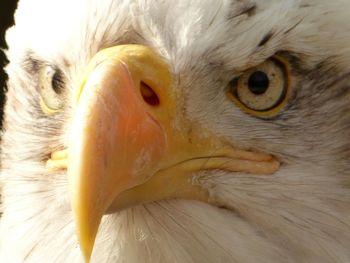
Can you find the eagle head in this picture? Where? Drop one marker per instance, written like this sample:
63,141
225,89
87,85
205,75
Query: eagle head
177,131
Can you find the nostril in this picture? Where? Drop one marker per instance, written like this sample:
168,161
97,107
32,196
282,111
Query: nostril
148,94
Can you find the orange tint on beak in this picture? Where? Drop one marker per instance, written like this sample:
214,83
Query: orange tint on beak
115,144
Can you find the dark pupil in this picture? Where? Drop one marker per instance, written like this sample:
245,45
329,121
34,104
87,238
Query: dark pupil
258,82
57,82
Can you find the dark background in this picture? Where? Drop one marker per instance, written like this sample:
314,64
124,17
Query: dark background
7,8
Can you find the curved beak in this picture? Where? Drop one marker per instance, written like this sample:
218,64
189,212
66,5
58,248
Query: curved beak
130,144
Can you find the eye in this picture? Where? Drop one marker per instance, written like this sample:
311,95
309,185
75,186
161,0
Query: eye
262,91
51,89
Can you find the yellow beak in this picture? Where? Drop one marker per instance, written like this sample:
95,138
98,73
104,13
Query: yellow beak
130,144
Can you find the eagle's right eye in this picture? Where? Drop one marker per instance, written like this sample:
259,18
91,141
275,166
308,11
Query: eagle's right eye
51,89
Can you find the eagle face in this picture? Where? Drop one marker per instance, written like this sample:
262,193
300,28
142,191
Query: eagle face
189,131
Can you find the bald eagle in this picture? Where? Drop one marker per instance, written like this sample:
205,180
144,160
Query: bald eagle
177,131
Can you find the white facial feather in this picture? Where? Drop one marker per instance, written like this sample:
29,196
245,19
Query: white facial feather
300,214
